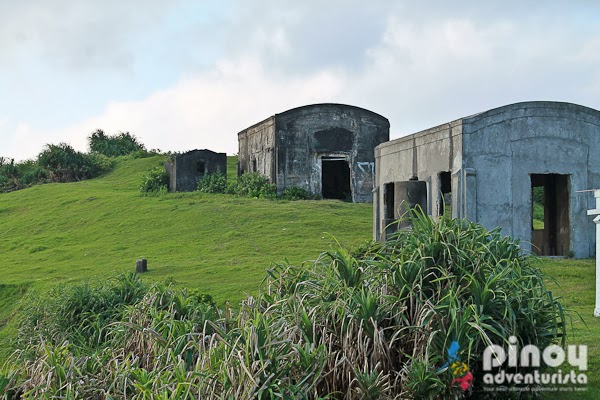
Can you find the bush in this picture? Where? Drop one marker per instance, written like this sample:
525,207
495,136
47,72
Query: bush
62,163
78,314
120,144
253,185
378,322
155,181
213,183
297,193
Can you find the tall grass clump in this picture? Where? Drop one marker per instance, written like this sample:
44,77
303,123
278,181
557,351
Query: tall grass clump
375,323
253,184
213,183
119,144
77,314
155,181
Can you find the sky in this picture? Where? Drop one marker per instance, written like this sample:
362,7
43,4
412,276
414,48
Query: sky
191,74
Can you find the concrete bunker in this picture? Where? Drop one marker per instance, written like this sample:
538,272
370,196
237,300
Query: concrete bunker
325,149
185,170
491,167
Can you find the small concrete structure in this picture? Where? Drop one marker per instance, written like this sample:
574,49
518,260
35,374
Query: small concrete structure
326,149
185,170
141,265
488,167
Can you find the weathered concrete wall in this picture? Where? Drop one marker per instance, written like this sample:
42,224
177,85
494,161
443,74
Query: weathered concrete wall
505,146
307,135
289,148
492,156
187,168
424,156
257,149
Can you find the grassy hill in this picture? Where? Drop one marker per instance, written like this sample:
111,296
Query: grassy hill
219,244
63,232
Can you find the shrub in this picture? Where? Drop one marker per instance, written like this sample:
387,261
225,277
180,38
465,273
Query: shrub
297,193
120,144
213,183
374,323
30,173
78,314
64,164
155,181
253,185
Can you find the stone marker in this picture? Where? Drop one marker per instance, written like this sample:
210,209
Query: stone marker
141,265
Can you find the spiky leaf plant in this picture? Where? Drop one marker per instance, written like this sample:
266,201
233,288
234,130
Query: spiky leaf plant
376,323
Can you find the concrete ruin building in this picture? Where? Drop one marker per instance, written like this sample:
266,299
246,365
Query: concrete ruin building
185,170
488,167
326,149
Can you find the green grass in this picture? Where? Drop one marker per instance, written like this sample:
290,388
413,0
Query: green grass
576,285
219,244
63,232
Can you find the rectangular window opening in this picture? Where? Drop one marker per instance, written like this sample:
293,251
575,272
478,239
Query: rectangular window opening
550,224
445,199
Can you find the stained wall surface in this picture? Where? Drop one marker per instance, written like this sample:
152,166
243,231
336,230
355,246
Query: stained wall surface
291,148
186,169
494,158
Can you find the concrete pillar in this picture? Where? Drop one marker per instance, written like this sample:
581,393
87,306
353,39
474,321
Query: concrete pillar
141,266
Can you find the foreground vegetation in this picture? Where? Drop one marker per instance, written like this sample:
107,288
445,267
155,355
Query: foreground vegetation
377,323
216,244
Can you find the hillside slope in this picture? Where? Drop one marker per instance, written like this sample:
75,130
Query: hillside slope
218,243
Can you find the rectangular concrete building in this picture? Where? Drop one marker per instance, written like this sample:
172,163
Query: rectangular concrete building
489,167
185,170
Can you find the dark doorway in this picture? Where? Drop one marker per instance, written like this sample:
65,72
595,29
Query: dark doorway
335,180
445,200
389,202
200,168
550,225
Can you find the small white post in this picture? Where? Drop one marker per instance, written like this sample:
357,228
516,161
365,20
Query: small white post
596,212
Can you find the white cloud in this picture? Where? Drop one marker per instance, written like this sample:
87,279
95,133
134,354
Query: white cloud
208,110
417,65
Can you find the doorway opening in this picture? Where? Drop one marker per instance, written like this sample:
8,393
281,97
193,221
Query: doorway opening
445,199
389,202
200,168
335,179
550,225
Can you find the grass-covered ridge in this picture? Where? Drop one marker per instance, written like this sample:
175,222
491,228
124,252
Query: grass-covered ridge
58,232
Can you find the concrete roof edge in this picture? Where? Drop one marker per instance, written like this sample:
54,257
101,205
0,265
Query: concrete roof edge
530,104
332,105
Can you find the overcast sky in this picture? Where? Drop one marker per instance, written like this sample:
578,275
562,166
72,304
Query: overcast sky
186,74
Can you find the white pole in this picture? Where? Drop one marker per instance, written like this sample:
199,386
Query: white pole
597,309
597,222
